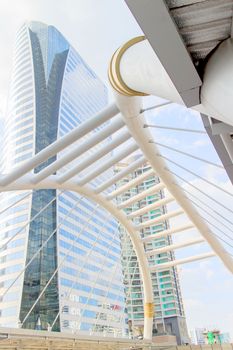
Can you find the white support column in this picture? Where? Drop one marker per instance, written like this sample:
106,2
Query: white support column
175,246
150,191
93,157
94,139
131,184
123,173
149,207
182,261
165,233
108,164
60,144
160,218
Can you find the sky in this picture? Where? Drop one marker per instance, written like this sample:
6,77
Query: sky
96,28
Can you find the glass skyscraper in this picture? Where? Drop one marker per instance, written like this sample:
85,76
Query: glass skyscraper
75,282
169,315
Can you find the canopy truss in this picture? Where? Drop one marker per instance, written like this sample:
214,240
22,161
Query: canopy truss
126,135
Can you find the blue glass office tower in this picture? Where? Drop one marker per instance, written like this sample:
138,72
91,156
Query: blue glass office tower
52,91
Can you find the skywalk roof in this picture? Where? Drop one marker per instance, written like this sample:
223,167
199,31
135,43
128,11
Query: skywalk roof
183,33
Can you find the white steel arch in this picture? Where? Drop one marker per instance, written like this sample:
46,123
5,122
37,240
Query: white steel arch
71,185
130,108
132,135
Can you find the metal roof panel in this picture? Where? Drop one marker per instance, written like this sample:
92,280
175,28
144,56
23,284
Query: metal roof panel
202,24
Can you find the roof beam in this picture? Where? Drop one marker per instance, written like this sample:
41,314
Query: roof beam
182,261
108,164
159,219
130,109
150,191
131,184
57,146
94,139
149,207
159,28
92,158
175,246
168,232
123,173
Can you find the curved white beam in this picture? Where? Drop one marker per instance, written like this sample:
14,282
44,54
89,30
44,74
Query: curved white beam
132,183
130,148
159,218
150,191
135,70
123,173
60,144
216,92
182,261
130,108
93,157
52,182
168,232
175,246
149,207
93,140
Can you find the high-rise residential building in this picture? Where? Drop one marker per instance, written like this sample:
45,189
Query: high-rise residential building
169,313
74,282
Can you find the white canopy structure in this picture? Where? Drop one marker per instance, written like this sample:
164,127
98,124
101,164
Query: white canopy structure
191,41
134,71
131,133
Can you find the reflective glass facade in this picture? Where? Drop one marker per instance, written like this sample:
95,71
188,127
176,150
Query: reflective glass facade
53,91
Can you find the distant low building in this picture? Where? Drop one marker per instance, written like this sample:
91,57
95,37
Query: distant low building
214,336
201,336
197,336
224,338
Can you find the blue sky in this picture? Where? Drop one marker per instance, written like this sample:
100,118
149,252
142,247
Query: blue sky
96,29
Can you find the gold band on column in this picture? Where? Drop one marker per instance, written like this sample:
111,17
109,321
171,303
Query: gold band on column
149,310
114,74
